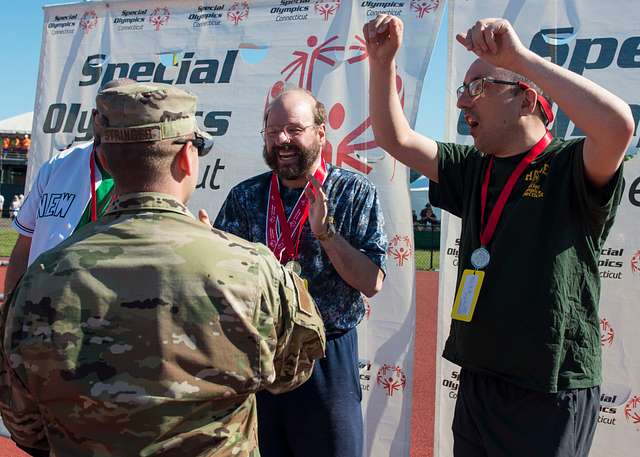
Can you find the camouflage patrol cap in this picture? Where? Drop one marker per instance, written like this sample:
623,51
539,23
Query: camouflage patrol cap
143,112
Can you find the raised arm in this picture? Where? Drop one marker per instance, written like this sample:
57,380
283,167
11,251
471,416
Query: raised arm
391,129
605,119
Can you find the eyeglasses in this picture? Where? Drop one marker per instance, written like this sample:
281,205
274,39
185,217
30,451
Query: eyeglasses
290,130
476,87
199,142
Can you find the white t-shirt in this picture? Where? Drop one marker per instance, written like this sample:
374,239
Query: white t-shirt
57,200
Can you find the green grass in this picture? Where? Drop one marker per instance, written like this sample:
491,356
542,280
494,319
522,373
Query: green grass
423,257
424,261
7,240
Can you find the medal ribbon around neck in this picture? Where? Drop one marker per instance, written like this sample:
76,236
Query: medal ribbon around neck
284,247
486,231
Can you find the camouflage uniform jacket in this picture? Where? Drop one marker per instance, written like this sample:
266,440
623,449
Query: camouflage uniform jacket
147,334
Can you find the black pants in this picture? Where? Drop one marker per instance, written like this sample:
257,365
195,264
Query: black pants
322,417
494,418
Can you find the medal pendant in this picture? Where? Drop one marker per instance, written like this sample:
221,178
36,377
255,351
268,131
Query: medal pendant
294,266
480,258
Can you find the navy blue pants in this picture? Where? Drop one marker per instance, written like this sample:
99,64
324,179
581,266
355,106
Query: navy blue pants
321,418
494,418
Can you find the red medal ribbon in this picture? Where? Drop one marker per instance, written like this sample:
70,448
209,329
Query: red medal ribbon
486,232
284,246
94,198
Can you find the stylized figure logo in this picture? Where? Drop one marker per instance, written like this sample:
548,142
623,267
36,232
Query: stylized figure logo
326,8
238,12
422,7
606,333
400,249
635,263
304,58
632,410
392,378
159,17
352,147
88,21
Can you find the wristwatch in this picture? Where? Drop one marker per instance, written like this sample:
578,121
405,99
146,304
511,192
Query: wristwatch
329,232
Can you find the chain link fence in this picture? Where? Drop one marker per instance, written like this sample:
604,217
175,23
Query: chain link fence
427,246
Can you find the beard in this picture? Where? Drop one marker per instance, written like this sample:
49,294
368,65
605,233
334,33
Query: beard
301,168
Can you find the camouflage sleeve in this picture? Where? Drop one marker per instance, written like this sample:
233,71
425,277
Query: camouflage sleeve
297,336
20,412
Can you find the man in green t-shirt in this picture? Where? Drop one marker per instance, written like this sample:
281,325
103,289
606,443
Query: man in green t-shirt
535,213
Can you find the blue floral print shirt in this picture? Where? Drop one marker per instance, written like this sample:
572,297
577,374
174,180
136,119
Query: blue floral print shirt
353,203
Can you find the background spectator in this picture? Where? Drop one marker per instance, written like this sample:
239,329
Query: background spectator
15,207
428,218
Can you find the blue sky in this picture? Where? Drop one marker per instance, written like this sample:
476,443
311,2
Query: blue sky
20,39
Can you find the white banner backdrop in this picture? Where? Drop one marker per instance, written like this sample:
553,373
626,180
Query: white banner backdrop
600,41
236,56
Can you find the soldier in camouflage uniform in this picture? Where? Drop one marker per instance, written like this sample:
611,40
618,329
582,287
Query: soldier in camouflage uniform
147,333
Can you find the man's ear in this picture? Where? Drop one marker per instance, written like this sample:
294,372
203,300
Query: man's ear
186,160
529,102
322,133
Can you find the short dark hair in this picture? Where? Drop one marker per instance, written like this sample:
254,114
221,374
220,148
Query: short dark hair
139,165
509,75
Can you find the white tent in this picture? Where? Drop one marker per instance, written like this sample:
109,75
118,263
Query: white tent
19,124
419,190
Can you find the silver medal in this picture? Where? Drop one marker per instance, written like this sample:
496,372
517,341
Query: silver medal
480,258
294,266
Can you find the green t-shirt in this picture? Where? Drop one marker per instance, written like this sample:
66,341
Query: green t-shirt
103,197
536,321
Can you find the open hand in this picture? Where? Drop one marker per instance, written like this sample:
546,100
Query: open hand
318,207
203,217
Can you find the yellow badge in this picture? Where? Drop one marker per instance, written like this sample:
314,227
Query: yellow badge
467,295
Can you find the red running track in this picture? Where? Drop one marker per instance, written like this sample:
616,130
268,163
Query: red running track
425,367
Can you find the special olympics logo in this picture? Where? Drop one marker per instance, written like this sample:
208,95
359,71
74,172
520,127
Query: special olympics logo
400,249
326,8
341,149
606,333
159,17
422,7
632,410
635,263
238,12
88,21
392,378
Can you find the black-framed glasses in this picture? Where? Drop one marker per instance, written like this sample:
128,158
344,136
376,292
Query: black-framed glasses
199,142
290,130
476,87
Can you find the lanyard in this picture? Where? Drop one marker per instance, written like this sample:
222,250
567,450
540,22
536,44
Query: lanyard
94,198
486,231
283,246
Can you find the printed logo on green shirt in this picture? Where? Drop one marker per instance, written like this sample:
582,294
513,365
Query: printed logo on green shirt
533,177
